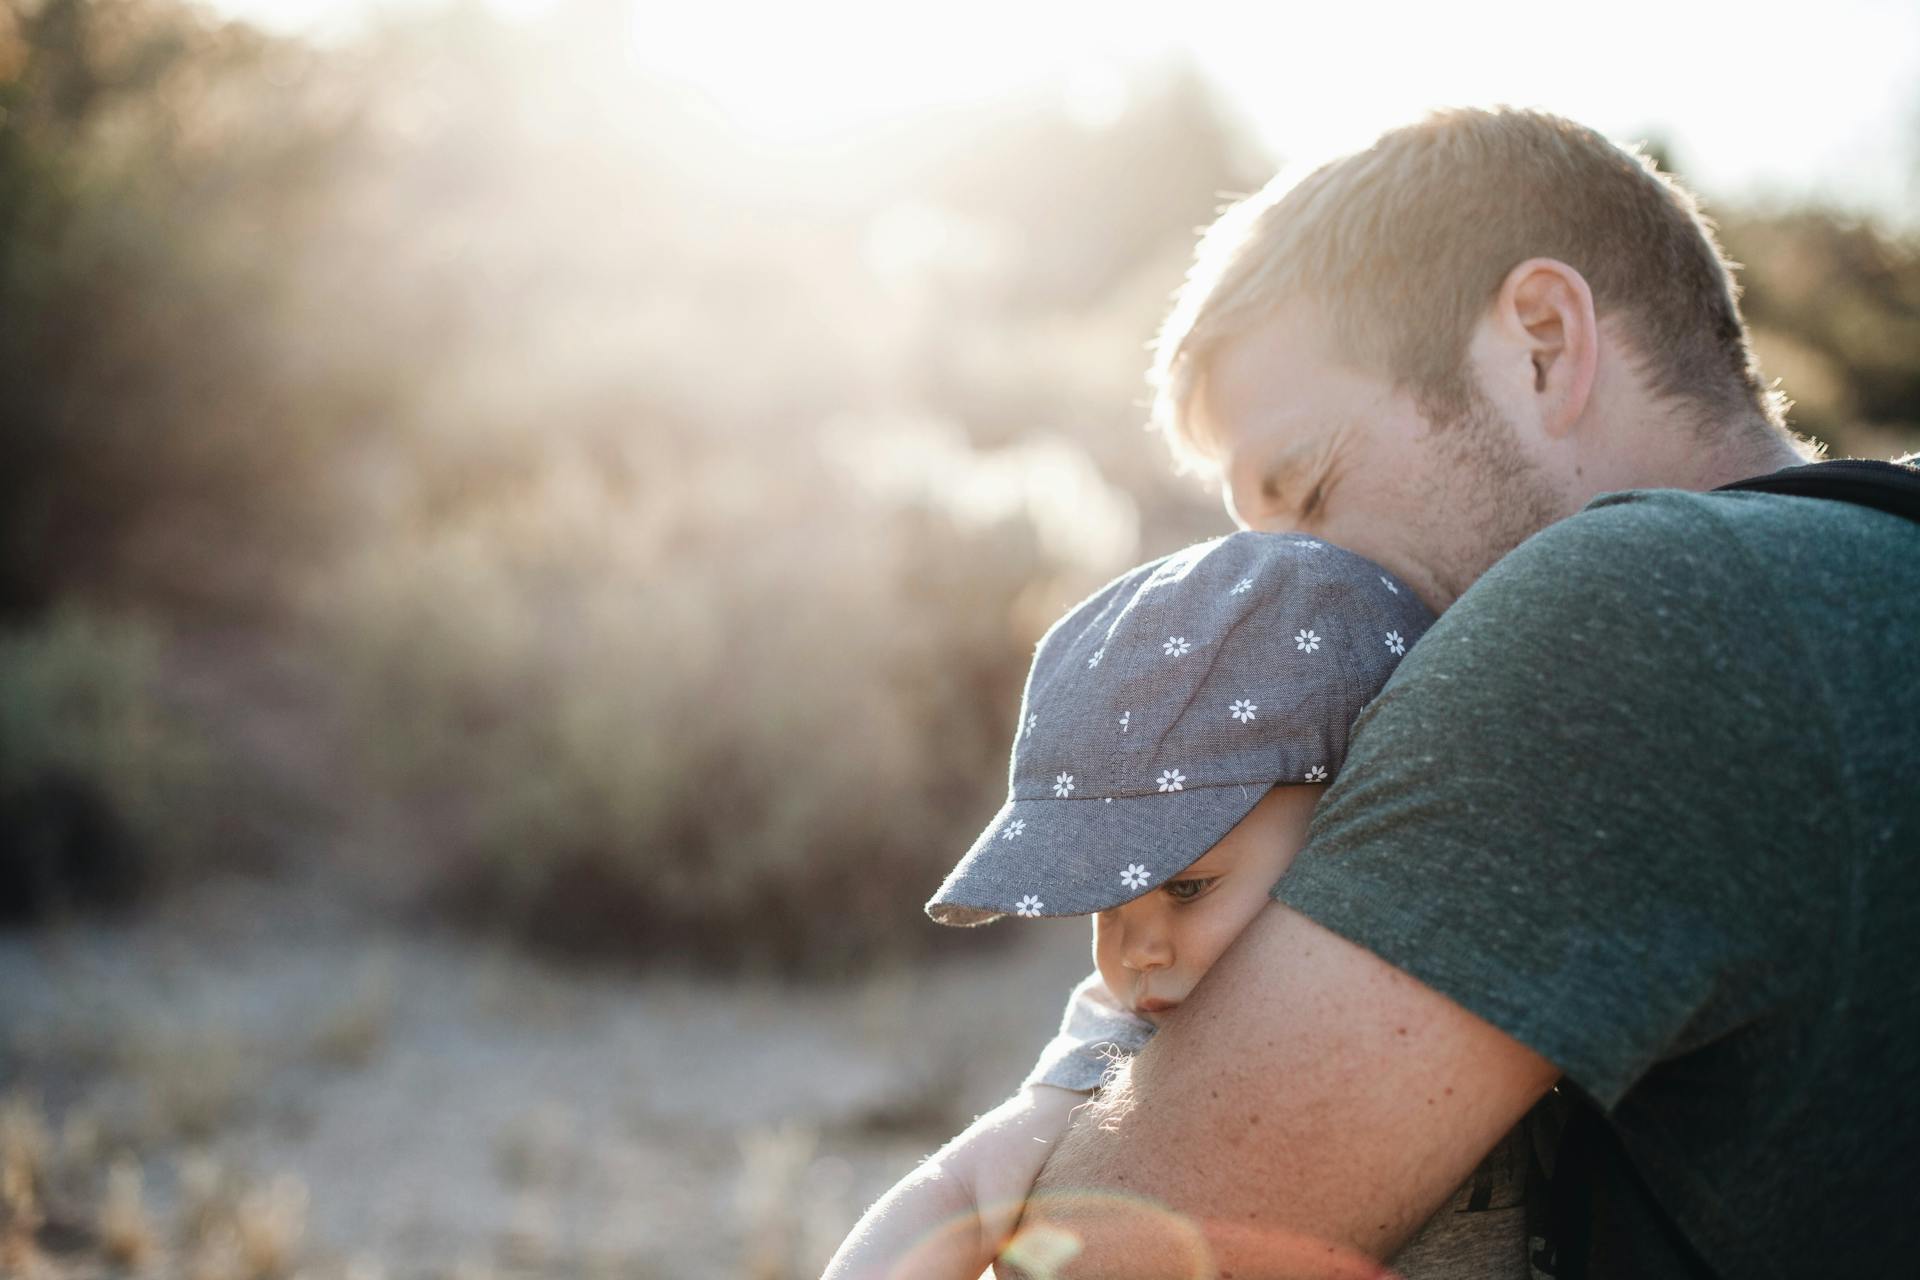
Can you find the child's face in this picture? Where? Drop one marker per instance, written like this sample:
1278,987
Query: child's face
1151,951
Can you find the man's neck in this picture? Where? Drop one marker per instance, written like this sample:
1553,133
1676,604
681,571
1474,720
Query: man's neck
1670,456
1757,453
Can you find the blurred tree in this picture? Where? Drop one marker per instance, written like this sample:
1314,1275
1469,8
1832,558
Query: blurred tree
164,436
1090,204
1835,306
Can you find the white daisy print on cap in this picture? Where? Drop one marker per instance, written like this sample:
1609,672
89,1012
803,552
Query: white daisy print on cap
1242,710
1317,774
1176,646
1063,785
1241,587
1014,829
1395,643
1307,641
1172,779
1029,906
1135,876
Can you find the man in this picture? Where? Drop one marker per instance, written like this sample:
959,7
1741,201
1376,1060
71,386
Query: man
1637,817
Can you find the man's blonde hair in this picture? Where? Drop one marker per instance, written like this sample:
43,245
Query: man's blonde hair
1404,245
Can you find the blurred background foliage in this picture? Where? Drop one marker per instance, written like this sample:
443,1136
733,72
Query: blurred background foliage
662,517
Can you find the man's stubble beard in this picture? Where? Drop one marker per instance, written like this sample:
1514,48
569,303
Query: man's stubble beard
1504,494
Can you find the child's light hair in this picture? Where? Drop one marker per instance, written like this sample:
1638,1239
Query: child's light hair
1404,245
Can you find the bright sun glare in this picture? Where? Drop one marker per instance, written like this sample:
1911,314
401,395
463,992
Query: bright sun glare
799,71
1839,121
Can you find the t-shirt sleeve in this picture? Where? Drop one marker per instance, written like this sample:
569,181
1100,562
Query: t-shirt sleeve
1575,809
1095,1033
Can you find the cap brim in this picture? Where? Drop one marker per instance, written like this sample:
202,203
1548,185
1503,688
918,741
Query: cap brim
1075,857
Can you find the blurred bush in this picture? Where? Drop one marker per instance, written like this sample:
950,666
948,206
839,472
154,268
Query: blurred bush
102,787
675,733
166,417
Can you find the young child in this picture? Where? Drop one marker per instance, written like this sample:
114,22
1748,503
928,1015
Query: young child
1177,730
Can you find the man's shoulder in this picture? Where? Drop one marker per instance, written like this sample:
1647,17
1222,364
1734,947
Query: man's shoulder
1645,595
1638,526
1648,554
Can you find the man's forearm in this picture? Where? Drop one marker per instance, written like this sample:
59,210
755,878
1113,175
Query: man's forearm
1309,1108
1088,1217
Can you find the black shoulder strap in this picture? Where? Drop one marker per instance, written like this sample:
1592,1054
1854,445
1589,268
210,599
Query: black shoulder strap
1602,1220
1885,486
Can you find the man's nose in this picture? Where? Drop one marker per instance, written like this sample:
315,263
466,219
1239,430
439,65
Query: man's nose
1251,501
1230,499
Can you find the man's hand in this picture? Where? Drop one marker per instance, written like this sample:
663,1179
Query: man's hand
1305,1112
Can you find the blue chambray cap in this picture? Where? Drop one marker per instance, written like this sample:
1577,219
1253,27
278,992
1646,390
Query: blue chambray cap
1162,708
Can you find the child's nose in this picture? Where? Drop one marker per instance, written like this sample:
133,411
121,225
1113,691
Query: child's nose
1147,944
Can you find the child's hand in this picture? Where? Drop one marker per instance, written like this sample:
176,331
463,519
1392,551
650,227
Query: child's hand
948,1218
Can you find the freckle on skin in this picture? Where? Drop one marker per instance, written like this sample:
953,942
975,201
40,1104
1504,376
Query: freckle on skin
1402,1031
1449,1091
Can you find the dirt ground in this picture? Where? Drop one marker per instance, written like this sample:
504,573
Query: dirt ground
352,1100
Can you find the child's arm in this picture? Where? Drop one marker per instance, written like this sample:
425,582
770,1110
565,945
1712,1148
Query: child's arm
948,1218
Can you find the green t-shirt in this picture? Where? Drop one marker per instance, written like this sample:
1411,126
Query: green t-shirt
1647,798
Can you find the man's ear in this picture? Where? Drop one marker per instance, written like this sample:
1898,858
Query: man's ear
1541,344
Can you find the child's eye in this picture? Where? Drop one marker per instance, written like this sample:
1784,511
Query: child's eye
1188,890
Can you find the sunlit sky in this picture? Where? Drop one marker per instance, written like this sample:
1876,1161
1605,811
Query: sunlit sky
1754,100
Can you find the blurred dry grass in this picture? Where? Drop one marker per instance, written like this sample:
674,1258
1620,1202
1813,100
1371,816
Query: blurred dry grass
62,1205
